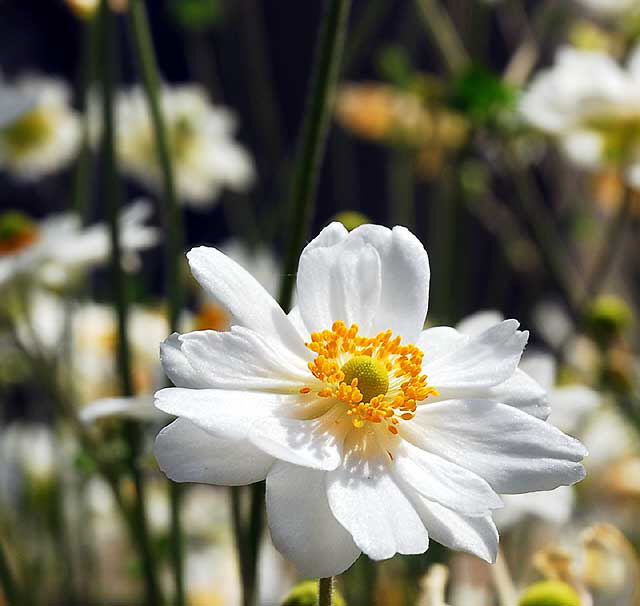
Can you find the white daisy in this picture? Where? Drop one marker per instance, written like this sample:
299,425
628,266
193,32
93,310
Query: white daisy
58,246
592,104
373,435
206,157
47,137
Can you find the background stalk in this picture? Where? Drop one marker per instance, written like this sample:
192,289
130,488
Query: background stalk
9,585
313,137
174,242
113,196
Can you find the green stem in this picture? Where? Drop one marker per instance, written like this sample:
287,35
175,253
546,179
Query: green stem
367,25
314,133
174,242
113,196
444,33
325,591
9,586
401,187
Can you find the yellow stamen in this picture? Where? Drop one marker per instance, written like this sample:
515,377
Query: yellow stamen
379,379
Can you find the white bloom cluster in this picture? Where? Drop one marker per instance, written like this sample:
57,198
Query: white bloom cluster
373,434
592,104
47,136
56,247
205,156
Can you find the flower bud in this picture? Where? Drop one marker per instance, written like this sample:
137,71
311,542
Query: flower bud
351,219
306,594
606,318
549,593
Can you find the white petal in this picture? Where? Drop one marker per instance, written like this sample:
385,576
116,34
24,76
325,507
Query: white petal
241,294
223,412
472,534
236,359
177,367
302,526
513,451
405,280
187,453
485,360
439,341
314,444
332,234
541,367
446,483
340,282
521,391
479,322
365,499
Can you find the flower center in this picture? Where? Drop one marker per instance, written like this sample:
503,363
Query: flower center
28,132
371,374
17,231
379,379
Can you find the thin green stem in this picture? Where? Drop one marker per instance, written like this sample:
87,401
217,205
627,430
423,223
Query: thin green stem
372,16
401,187
113,197
325,591
174,242
9,585
313,138
444,33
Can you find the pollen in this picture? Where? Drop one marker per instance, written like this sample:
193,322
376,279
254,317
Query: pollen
377,378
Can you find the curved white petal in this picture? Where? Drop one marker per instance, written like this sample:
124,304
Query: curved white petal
236,359
339,282
444,482
439,341
187,453
520,391
224,413
249,304
302,525
332,234
472,534
485,360
404,299
512,450
312,444
479,322
365,499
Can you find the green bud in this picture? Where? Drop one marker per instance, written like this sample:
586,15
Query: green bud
606,318
351,219
549,593
14,224
306,594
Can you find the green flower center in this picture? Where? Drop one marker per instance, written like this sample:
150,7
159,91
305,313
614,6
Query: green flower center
28,132
373,378
16,231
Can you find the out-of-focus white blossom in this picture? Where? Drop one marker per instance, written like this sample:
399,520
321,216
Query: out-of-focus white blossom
54,249
47,137
206,158
611,8
592,104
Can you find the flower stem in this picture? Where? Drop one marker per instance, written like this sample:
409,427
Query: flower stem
113,197
9,586
174,242
314,135
325,594
444,33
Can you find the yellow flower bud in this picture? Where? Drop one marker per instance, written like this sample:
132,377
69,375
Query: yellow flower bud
549,593
306,594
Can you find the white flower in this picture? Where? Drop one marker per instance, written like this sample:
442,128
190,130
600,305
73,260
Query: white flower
373,435
593,105
58,246
570,407
47,137
205,155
